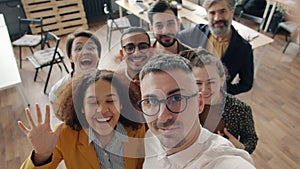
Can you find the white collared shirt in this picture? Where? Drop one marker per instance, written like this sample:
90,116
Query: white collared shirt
210,151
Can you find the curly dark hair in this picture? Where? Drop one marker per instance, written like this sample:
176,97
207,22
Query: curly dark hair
72,94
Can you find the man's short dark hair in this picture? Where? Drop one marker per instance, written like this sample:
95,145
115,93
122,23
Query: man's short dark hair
161,6
134,30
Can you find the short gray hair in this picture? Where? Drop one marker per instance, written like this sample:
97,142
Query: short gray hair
165,62
208,3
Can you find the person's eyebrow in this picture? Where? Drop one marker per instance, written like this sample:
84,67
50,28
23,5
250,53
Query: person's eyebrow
129,43
149,95
109,95
174,91
79,43
158,22
206,80
171,20
221,10
169,93
217,10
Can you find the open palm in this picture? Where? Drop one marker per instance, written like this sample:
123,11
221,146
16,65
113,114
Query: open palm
40,134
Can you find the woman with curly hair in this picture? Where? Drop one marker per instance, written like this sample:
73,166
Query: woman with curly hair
98,130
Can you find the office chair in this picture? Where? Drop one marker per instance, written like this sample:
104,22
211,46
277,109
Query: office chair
252,10
48,57
256,19
291,31
27,39
253,18
114,24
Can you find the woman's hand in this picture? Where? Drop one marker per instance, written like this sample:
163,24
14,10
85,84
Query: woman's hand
235,141
40,135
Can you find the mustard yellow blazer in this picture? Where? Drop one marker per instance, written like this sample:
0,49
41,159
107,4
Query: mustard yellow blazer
73,147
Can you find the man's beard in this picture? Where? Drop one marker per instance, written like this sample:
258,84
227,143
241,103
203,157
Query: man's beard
166,44
171,141
219,31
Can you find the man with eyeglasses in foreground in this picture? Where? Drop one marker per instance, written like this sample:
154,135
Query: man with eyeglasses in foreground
175,139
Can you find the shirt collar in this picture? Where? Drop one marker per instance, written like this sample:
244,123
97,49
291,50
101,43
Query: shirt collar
120,135
127,75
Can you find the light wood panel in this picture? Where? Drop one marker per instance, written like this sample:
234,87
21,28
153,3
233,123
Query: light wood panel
275,100
59,17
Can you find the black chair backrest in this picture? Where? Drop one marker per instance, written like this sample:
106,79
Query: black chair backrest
27,21
50,36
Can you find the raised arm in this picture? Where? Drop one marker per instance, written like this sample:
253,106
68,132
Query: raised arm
40,135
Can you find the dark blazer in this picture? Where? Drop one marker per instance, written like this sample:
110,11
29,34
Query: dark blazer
238,58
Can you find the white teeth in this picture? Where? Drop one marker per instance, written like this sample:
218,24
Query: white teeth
84,60
207,95
103,119
138,59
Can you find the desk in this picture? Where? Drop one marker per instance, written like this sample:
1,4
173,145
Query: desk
285,4
9,71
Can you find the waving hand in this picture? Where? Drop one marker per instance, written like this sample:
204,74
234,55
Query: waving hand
40,134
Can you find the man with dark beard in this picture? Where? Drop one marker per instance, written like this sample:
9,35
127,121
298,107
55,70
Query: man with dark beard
165,25
224,41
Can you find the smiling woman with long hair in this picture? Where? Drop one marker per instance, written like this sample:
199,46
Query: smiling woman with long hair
96,131
223,113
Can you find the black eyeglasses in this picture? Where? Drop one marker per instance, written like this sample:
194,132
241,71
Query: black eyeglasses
176,104
130,47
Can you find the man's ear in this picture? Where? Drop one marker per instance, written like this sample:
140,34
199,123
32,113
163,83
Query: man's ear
223,80
122,57
232,12
121,52
82,110
151,28
71,58
178,24
201,102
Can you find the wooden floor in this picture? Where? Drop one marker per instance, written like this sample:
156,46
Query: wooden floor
275,100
